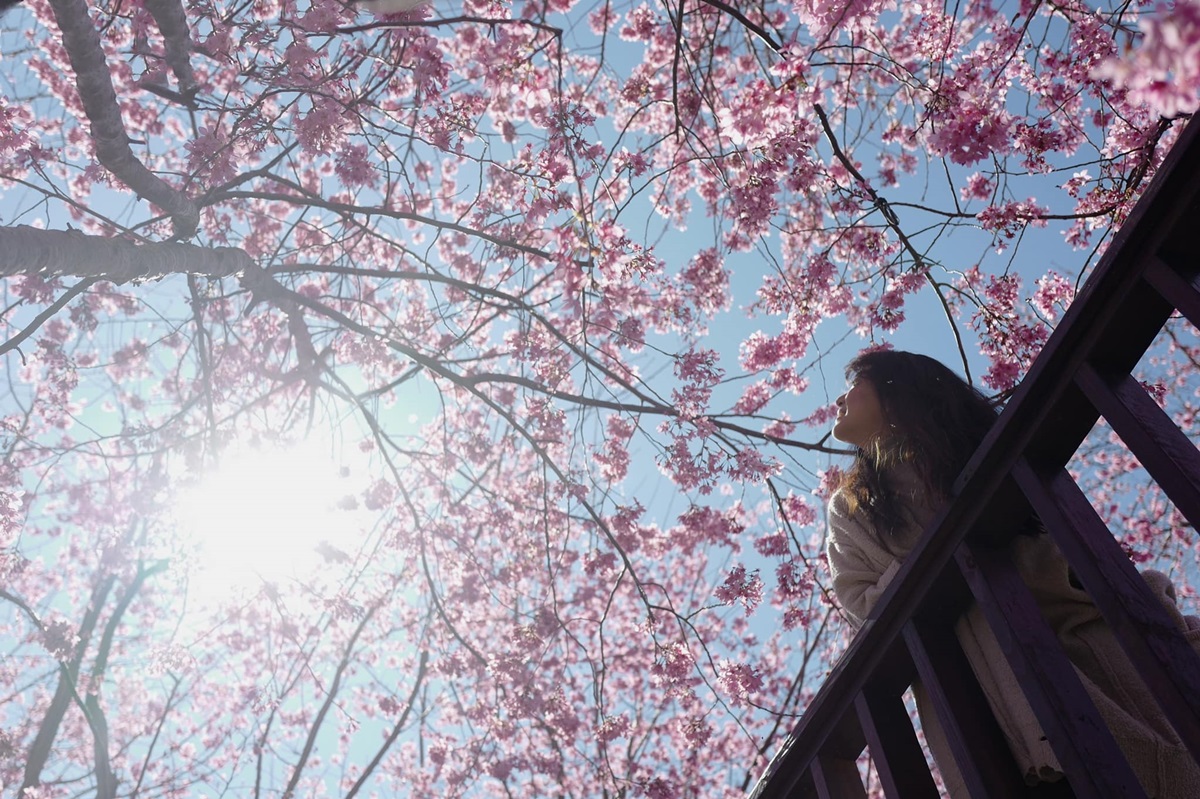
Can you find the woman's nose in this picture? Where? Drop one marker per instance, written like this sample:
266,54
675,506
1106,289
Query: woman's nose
840,401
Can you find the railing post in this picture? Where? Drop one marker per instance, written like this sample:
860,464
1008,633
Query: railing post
980,751
1089,755
1163,449
1174,287
892,742
1156,647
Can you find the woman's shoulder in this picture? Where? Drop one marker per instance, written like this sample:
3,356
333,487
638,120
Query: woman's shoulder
843,517
844,522
841,503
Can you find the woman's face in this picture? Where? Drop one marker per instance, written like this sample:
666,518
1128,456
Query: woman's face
860,414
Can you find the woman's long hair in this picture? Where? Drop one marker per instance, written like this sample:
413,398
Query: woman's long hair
934,423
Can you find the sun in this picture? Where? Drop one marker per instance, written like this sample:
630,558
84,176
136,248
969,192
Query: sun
268,514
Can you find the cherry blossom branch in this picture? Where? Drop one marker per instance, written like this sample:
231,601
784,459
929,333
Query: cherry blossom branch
23,606
106,781
43,742
260,749
437,602
648,404
203,355
677,22
516,304
67,686
44,316
754,28
442,21
264,286
94,83
369,769
385,444
826,591
781,715
893,222
1138,174
167,707
312,200
85,210
880,203
330,695
962,351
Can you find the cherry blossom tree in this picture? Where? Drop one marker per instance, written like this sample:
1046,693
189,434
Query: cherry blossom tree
435,403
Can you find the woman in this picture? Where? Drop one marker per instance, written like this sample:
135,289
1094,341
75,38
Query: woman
915,424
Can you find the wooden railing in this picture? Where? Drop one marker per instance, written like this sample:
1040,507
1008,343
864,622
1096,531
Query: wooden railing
1150,271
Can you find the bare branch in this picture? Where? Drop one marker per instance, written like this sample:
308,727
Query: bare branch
47,314
757,30
330,697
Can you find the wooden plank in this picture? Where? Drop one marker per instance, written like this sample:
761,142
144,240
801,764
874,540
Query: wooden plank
1173,287
1076,731
1158,650
837,778
893,745
1169,455
979,747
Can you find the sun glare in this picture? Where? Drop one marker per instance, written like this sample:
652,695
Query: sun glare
268,514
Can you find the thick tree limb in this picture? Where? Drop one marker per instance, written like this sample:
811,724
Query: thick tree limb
55,253
106,781
172,23
82,42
